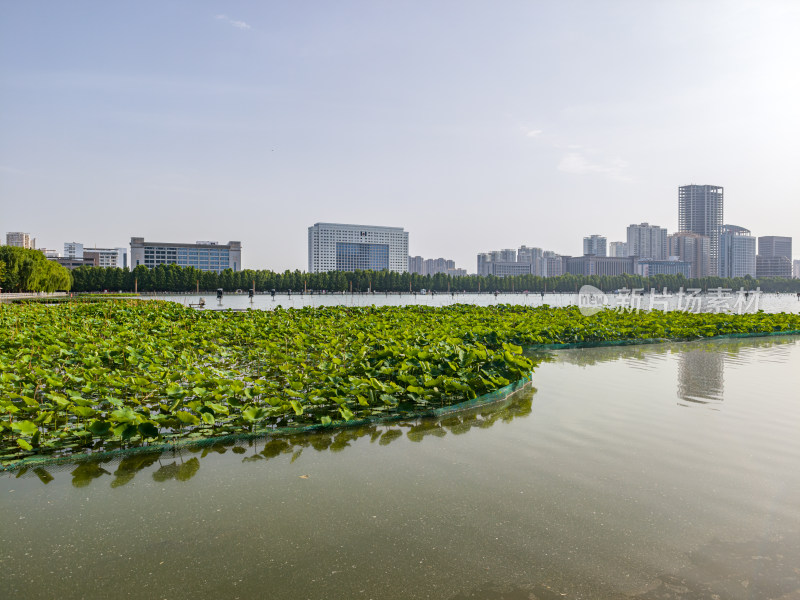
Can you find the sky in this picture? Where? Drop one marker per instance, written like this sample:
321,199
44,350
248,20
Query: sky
474,125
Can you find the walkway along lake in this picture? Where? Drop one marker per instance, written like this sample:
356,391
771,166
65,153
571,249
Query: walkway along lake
655,471
772,303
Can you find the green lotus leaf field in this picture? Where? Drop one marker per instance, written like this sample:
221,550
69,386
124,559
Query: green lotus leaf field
88,377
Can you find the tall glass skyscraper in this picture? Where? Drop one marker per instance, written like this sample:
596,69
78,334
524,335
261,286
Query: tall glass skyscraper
700,211
737,252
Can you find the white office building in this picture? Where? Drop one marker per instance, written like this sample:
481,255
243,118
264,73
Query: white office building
737,252
347,247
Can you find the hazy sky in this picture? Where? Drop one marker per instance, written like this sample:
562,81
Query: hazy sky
473,125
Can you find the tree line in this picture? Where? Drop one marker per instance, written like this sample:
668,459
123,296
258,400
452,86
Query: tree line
172,278
25,270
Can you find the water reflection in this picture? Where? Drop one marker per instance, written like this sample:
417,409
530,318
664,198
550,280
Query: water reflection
701,364
181,465
701,376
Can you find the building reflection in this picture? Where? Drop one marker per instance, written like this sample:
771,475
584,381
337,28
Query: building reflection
701,364
701,376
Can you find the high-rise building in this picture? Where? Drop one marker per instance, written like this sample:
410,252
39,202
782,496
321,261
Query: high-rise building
594,245
205,256
737,252
528,255
700,210
532,256
553,265
692,248
774,256
775,245
618,249
647,241
503,263
796,269
433,266
506,255
20,239
346,247
415,264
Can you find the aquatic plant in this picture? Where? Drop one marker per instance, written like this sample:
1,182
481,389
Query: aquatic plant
86,377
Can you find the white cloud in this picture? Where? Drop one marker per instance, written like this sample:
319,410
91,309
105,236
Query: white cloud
229,21
577,163
534,133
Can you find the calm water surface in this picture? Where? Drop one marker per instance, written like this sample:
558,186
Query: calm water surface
661,471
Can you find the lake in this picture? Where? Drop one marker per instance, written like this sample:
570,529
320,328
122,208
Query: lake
653,471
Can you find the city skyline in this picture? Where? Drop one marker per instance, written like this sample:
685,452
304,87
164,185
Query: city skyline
468,125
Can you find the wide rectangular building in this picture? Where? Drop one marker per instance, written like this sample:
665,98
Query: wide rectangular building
347,247
600,265
205,256
648,268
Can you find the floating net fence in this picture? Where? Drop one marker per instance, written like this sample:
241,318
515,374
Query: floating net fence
499,395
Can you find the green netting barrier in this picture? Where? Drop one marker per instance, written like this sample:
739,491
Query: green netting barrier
634,342
496,396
